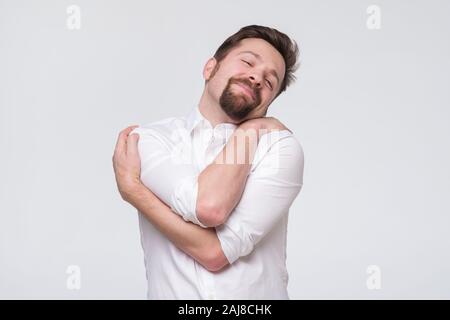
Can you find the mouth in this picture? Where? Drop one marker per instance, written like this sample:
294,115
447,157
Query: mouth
247,90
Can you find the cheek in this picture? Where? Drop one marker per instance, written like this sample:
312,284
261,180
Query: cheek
219,80
266,95
236,71
224,75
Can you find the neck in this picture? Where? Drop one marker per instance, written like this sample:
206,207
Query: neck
212,111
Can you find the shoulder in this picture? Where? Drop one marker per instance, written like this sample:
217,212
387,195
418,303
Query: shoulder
278,151
161,128
282,143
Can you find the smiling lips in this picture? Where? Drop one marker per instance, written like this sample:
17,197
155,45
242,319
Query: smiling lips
247,90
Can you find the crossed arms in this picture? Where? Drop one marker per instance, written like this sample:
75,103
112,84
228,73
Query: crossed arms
221,214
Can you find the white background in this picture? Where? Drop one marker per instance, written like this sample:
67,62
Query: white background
370,108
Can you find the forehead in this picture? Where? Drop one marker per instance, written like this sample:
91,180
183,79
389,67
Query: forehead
268,54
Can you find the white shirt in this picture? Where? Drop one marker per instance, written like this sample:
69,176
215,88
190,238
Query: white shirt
173,152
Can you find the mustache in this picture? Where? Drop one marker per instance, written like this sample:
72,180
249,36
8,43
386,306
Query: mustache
247,83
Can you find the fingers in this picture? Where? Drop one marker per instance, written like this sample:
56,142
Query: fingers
121,145
275,124
132,144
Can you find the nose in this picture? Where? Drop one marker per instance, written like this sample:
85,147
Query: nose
255,80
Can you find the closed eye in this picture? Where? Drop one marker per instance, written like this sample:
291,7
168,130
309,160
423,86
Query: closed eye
270,84
247,62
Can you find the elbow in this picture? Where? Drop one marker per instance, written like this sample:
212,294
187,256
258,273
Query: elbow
210,215
215,260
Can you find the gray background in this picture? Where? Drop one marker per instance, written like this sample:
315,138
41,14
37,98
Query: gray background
370,107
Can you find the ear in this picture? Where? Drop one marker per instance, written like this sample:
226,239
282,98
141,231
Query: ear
209,68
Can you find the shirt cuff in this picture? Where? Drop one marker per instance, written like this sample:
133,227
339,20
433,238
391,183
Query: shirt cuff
234,241
184,200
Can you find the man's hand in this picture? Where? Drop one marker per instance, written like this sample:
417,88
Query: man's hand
263,125
126,163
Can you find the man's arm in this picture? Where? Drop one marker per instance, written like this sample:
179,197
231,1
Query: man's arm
221,184
169,176
270,191
200,243
271,187
206,199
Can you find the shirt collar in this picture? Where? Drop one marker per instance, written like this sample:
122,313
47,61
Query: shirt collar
195,117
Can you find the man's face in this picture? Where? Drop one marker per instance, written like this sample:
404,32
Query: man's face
247,80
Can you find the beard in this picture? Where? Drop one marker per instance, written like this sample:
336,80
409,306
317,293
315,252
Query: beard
237,105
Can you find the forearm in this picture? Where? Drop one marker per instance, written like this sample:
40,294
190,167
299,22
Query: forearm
200,243
221,184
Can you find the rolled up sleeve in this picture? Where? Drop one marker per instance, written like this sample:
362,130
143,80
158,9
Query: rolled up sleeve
172,180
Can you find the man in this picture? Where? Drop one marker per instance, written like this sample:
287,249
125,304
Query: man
215,187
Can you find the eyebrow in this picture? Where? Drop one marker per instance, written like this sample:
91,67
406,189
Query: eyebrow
271,71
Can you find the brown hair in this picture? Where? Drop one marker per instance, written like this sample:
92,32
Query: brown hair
285,46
